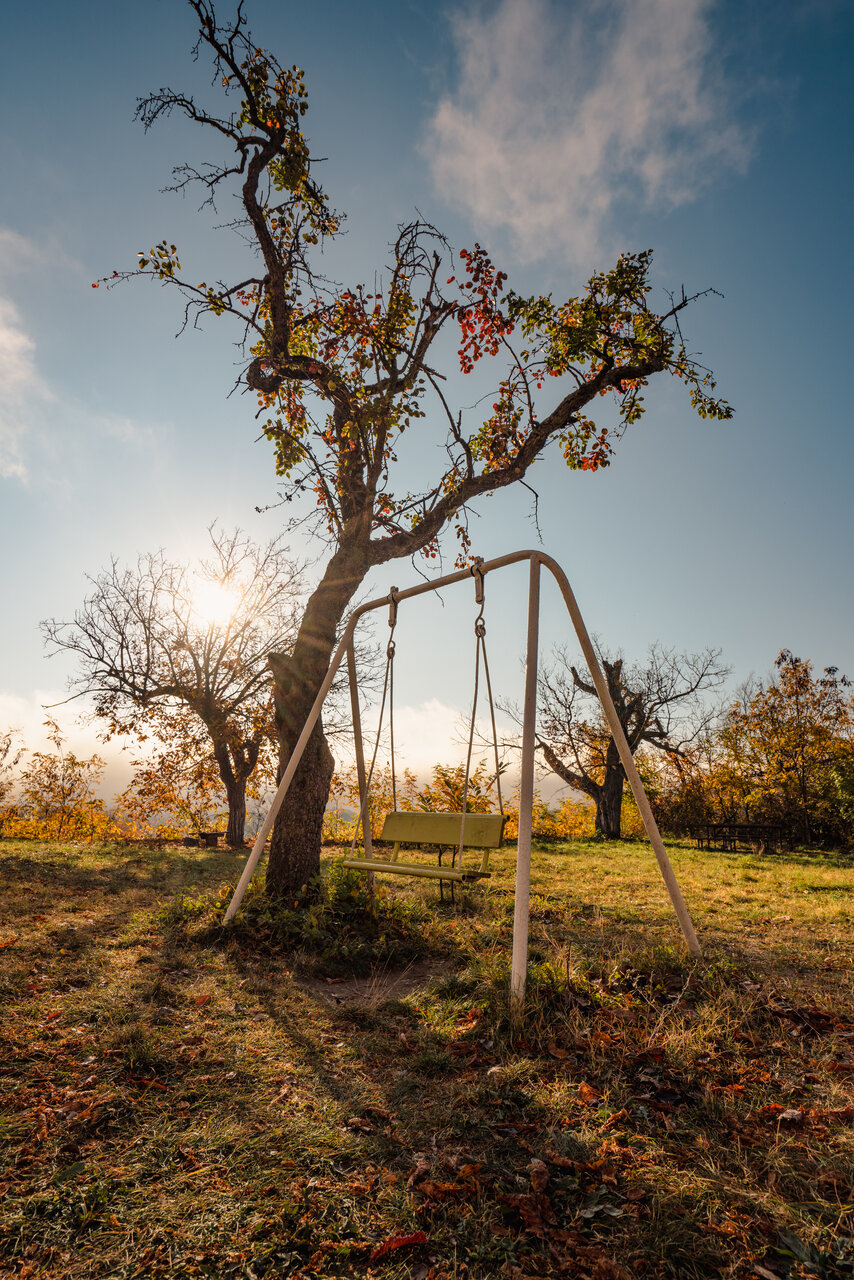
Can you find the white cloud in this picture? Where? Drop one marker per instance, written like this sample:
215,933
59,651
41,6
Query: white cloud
20,253
25,395
425,735
127,431
564,113
16,251
20,385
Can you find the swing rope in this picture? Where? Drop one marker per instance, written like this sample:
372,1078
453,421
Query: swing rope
480,652
388,693
388,697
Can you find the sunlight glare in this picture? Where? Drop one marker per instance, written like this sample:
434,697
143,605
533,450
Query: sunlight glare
215,602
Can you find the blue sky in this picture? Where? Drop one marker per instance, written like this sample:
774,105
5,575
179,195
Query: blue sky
555,133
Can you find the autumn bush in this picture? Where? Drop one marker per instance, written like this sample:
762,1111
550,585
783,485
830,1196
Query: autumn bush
53,798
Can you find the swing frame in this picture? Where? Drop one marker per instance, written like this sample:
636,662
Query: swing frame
536,559
438,830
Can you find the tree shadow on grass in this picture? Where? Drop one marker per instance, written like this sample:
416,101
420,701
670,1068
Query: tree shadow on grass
150,870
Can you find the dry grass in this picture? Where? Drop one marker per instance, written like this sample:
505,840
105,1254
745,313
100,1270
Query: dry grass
182,1100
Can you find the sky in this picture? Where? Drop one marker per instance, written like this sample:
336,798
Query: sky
555,132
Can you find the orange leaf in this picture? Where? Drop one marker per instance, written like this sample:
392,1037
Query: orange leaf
398,1242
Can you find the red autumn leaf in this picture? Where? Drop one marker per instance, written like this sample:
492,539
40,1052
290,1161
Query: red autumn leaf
398,1242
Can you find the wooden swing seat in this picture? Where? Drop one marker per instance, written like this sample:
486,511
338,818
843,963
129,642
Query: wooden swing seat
441,830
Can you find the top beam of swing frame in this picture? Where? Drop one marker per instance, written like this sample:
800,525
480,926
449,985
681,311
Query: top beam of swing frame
523,855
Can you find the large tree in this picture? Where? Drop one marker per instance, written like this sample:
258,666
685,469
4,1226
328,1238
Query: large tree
341,373
787,745
161,640
661,703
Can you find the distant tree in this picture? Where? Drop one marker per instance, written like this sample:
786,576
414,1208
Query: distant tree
660,703
342,374
11,751
163,639
56,797
444,792
178,790
786,745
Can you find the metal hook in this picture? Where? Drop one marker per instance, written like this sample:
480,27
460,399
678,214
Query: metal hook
478,575
392,608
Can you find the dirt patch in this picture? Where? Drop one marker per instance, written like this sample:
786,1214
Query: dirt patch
380,985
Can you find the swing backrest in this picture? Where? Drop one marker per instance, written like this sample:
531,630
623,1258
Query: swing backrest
482,830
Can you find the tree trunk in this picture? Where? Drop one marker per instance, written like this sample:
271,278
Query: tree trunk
609,803
295,844
234,780
235,831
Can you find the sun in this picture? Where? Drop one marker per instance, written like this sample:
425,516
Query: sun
215,603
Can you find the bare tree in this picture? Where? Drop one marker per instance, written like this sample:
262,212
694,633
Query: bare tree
163,638
661,704
340,374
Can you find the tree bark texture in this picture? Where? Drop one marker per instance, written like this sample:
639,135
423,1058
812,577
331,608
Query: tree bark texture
297,677
609,801
606,795
236,829
235,762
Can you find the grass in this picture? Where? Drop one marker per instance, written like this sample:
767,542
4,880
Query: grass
182,1099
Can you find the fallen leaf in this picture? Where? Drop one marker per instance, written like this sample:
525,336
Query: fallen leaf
422,1166
435,1190
562,1162
838,1113
397,1242
539,1176
536,1212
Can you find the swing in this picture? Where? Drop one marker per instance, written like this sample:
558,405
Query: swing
455,831
467,821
